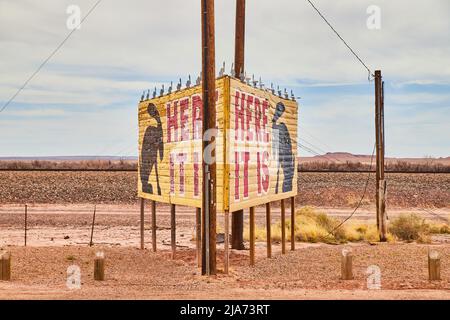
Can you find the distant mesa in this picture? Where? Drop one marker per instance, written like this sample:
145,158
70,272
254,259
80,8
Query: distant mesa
342,157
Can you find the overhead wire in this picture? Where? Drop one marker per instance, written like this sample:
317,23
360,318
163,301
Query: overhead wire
437,215
324,153
49,57
342,39
326,145
360,200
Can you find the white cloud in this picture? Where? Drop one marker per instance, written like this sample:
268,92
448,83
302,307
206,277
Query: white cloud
127,46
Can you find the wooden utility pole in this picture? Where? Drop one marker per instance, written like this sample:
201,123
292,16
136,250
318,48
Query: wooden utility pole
252,236
173,230
239,50
142,223
283,227
268,232
209,122
237,230
154,226
292,223
198,236
379,132
237,219
226,242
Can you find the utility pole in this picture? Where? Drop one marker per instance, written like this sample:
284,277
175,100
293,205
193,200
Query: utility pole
209,122
379,133
237,218
239,49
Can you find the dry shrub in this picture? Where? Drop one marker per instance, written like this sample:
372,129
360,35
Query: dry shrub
427,165
94,164
410,228
313,226
354,200
442,228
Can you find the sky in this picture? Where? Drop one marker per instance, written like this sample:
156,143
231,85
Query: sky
84,100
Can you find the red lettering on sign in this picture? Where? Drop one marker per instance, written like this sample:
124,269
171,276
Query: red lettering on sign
258,119
251,118
265,107
248,117
181,160
262,172
184,117
265,170
196,179
197,112
172,174
258,171
172,122
236,176
239,116
246,160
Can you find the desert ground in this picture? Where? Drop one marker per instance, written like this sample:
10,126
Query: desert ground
60,207
339,189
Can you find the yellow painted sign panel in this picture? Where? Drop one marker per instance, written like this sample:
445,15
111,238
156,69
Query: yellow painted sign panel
256,149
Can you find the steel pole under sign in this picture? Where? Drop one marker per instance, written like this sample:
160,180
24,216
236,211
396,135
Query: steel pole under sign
209,122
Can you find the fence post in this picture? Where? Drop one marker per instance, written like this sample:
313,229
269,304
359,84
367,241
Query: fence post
434,266
5,266
346,265
99,266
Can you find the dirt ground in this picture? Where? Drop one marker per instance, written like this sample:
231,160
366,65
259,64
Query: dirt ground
60,210
310,272
118,225
58,237
318,189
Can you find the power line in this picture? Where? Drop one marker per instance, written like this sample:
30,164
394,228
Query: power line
48,58
312,145
315,153
309,150
361,199
303,130
434,214
342,39
324,153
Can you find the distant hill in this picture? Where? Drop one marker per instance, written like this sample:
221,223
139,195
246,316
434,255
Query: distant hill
342,157
332,161
338,157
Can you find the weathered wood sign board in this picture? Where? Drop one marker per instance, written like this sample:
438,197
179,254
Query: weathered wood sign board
256,146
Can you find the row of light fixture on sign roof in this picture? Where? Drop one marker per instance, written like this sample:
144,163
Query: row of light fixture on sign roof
242,76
